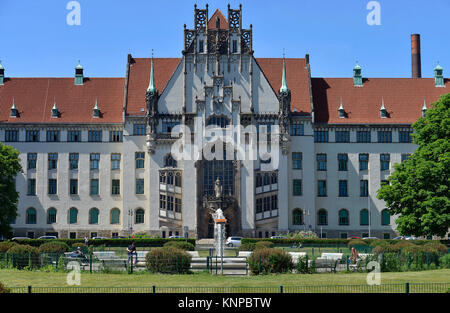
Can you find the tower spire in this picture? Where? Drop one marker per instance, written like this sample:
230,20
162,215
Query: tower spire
284,87
151,86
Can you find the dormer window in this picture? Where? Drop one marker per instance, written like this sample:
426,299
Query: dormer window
55,112
341,110
383,112
14,111
357,76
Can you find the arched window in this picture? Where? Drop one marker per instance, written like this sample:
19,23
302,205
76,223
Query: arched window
115,216
364,217
139,216
169,161
93,216
385,217
322,217
73,216
219,121
343,217
31,216
51,216
297,217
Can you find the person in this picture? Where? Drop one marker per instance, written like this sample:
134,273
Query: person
86,241
131,250
354,255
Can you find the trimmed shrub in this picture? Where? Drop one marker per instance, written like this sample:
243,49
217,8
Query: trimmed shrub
54,247
23,256
302,266
4,246
112,242
435,247
183,245
263,245
377,243
390,262
248,246
3,289
356,242
168,260
444,261
270,260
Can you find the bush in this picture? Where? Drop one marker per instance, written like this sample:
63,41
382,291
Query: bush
356,242
270,260
4,246
263,245
303,235
54,247
435,247
112,242
377,243
24,256
444,261
169,260
3,289
390,262
302,266
183,245
248,246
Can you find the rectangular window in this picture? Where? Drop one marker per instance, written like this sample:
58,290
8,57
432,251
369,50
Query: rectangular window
53,135
177,205
139,186
234,50
11,135
322,188
94,186
52,186
200,46
74,136
343,162
167,126
343,136
115,136
364,188
363,161
73,161
321,162
52,161
115,187
31,187
31,160
405,156
363,136
139,129
140,159
169,203
95,136
297,160
297,130
384,136
32,135
162,202
343,188
274,203
94,161
74,186
405,136
259,205
321,136
297,187
115,161
266,204
384,161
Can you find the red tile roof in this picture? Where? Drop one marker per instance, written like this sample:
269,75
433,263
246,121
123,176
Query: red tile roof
403,99
139,78
296,79
222,18
34,99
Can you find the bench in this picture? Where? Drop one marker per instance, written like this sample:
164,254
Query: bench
114,263
193,254
105,255
296,255
332,256
327,263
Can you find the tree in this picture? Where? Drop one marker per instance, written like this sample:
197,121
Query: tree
418,189
9,168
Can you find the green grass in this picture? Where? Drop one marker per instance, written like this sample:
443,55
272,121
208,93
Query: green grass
16,278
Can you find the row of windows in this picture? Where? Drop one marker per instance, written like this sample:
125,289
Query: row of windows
12,135
72,216
362,136
266,204
322,188
266,179
94,159
343,217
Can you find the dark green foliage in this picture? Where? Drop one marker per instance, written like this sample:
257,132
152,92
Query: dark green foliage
356,242
418,189
269,260
263,245
444,261
168,260
302,266
22,256
112,242
183,245
9,168
5,245
54,247
248,246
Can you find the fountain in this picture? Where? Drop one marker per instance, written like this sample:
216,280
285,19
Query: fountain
219,222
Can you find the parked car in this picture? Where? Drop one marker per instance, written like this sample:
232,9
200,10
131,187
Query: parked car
354,237
176,237
370,238
99,238
278,237
48,237
18,238
233,242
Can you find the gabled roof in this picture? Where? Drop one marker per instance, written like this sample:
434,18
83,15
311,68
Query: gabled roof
296,77
34,99
139,77
222,18
403,99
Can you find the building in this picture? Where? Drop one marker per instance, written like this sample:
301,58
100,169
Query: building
98,158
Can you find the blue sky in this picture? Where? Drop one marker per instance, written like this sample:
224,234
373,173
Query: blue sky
35,40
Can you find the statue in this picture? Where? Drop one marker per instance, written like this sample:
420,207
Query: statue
218,188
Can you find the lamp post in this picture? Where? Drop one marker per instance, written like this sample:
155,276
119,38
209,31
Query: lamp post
130,221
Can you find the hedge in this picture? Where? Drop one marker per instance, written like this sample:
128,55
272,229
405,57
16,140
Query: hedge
168,260
22,256
270,260
113,242
334,242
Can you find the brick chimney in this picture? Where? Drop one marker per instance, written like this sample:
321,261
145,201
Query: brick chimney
415,56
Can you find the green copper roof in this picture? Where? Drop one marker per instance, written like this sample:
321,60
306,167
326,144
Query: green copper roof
357,67
151,85
1,66
438,67
284,87
79,67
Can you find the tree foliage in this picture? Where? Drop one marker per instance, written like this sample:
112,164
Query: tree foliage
418,189
9,168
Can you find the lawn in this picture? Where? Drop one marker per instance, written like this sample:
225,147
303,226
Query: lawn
19,278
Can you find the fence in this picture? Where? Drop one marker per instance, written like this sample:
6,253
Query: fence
384,288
